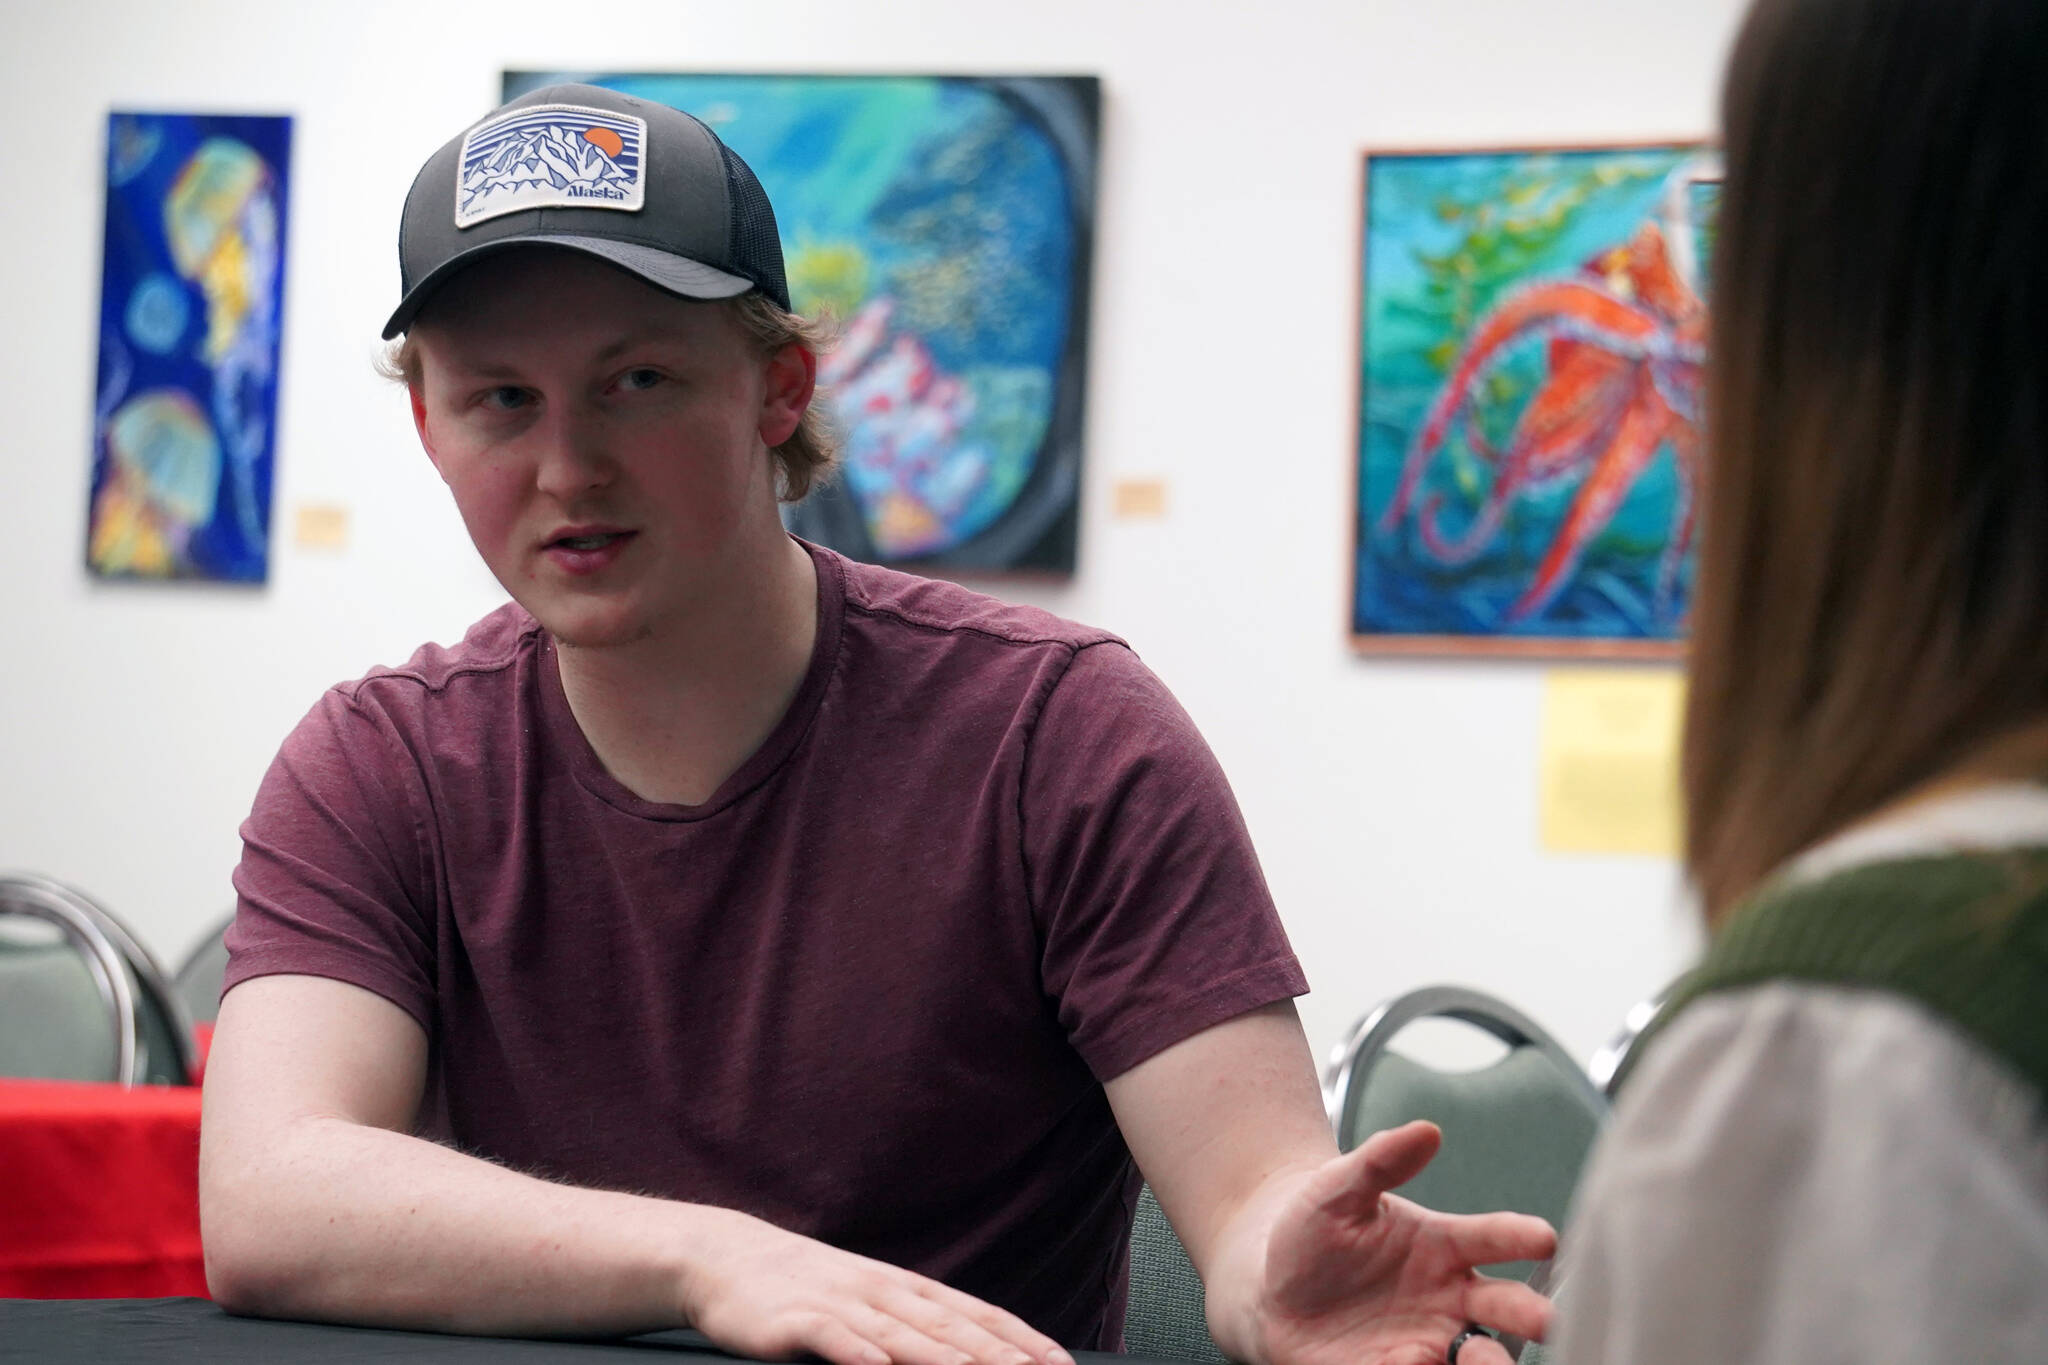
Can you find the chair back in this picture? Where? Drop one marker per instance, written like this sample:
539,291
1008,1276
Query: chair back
61,1009
199,978
1612,1062
87,1002
1166,1317
1516,1131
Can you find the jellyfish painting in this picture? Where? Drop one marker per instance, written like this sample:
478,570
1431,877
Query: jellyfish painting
190,312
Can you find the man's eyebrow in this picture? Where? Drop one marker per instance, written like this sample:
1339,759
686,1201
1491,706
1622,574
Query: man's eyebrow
481,369
638,337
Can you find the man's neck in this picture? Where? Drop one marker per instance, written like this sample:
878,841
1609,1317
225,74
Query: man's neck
674,715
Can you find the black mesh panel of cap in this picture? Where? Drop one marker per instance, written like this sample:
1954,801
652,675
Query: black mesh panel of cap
756,244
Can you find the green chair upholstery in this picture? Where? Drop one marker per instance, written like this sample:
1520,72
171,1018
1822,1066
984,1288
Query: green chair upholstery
56,1020
80,997
1165,1319
1516,1131
199,980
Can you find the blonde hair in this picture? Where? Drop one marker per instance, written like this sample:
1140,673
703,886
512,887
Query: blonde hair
802,461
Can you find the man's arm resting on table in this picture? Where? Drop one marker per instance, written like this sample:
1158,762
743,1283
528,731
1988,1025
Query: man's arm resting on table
1304,1257
316,1202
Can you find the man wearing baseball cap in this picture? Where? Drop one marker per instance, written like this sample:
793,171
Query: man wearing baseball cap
731,935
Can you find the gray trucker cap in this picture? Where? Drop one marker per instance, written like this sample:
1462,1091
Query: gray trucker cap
643,186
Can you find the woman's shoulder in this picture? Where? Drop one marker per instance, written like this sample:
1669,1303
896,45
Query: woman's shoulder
1944,908
1805,1171
1783,1051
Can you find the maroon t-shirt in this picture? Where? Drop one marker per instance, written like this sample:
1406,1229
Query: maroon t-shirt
868,991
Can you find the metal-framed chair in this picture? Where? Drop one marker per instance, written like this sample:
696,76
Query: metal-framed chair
1610,1065
1516,1131
1167,1316
199,977
50,1033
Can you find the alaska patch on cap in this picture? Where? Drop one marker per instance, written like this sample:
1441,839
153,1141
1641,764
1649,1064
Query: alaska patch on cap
551,156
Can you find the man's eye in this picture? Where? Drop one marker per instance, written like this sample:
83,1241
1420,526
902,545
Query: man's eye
504,398
639,379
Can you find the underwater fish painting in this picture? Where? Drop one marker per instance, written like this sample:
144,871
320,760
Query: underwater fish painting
945,226
191,303
1533,347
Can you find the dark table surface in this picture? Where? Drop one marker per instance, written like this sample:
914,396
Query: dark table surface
155,1331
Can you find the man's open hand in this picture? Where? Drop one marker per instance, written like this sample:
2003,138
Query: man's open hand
1357,1276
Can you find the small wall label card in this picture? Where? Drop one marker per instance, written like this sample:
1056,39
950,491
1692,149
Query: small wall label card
1138,499
320,526
191,305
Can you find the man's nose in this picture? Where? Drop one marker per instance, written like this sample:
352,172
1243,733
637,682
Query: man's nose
572,456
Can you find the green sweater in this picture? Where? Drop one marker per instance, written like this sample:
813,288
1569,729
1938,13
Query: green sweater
1965,935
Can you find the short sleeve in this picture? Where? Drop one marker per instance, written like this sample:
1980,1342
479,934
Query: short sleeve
1154,918
1811,1174
334,875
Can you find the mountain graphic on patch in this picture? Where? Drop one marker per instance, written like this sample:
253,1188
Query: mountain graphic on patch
551,156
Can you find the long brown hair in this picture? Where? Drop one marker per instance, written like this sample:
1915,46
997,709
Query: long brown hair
1872,601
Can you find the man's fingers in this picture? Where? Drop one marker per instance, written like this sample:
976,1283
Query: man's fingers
1484,1351
908,1344
944,1323
1490,1238
1354,1182
1414,1355
830,1339
1507,1306
1006,1326
1396,1156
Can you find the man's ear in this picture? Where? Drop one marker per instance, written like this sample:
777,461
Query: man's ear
419,422
792,382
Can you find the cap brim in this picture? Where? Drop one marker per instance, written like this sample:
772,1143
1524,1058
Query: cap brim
676,274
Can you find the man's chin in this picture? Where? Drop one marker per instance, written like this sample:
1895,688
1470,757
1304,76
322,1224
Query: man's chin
574,634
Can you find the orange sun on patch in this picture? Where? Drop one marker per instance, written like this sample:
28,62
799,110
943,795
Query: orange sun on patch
605,140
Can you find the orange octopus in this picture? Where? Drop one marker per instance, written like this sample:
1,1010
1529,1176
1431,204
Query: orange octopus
1627,341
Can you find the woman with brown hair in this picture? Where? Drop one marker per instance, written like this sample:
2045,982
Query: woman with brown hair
1833,1147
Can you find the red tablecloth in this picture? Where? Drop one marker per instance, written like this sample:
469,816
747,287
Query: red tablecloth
99,1191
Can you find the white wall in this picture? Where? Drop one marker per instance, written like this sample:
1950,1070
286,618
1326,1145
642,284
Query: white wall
1393,802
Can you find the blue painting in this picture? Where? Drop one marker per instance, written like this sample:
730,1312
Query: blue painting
945,225
1534,330
191,303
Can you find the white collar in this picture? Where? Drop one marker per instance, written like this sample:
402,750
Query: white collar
1996,815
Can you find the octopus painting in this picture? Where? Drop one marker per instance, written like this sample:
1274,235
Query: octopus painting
1540,361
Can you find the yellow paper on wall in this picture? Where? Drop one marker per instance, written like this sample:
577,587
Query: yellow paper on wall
1609,769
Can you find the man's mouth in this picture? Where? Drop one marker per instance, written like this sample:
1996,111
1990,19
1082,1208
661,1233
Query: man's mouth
596,542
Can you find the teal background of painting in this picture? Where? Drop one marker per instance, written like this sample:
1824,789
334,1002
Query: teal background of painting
958,207
1400,587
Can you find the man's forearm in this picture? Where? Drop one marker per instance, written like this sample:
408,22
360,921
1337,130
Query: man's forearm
1237,1265
330,1219
1226,1125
